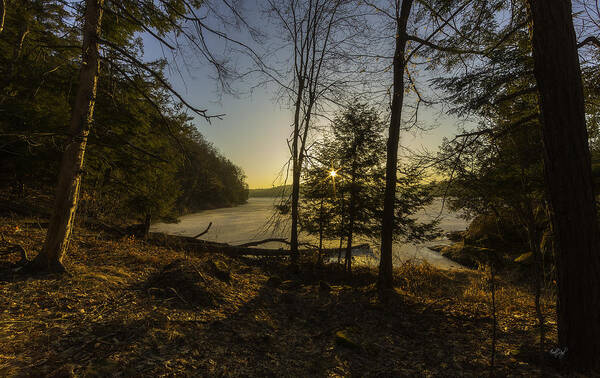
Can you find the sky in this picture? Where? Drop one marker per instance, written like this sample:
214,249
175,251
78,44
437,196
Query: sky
255,126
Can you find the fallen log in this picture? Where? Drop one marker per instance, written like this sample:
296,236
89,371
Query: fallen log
203,246
259,242
278,240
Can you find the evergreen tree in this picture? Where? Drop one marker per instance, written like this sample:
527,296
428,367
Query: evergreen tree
355,152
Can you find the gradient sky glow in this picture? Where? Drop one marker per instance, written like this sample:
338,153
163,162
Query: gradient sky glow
253,132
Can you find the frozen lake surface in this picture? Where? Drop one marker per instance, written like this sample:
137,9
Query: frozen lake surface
249,222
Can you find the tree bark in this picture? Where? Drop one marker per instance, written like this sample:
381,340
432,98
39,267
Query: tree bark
296,174
69,180
342,220
147,222
348,258
351,216
567,168
385,280
321,221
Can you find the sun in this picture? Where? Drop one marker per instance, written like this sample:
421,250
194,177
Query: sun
332,173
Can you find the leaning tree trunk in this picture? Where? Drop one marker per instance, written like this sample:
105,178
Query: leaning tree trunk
69,179
385,280
567,167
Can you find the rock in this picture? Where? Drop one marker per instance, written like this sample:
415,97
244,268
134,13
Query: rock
455,236
492,232
468,255
437,248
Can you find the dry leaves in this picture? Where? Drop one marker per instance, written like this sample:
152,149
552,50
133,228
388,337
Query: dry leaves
133,309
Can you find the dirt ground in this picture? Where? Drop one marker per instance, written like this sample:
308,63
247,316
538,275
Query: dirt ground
129,308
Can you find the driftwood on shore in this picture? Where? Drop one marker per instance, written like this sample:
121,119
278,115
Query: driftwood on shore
247,249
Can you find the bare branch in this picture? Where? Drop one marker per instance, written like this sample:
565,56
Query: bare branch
589,40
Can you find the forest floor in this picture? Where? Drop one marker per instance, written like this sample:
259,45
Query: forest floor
129,308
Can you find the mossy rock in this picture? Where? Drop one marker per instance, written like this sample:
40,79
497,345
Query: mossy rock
490,232
456,236
468,255
437,248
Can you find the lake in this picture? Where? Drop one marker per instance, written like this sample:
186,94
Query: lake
249,222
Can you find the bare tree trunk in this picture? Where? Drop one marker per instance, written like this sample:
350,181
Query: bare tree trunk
147,222
351,216
296,175
340,249
348,258
385,280
567,167
69,180
320,255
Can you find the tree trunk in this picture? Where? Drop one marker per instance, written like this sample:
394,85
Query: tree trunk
567,167
340,249
69,180
351,216
385,280
321,220
147,222
348,257
296,174
341,231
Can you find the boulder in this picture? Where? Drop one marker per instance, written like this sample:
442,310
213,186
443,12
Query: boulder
468,255
488,231
456,236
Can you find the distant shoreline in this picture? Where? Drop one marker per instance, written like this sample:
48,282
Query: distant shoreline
276,191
